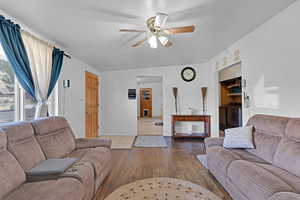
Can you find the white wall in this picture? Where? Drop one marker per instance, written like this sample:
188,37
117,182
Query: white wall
270,64
73,69
71,100
157,97
118,114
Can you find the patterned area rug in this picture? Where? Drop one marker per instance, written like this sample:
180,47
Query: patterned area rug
120,142
150,141
162,189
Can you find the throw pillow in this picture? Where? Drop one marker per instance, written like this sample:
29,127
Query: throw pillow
239,138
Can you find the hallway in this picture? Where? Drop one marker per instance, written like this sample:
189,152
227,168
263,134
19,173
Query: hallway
146,126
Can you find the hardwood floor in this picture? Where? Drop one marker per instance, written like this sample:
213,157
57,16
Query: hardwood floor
177,161
146,126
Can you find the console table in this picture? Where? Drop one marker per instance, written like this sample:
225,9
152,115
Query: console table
186,118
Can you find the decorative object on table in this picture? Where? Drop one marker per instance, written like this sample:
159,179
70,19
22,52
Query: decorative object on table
204,94
162,188
239,138
150,141
191,118
131,94
188,74
175,93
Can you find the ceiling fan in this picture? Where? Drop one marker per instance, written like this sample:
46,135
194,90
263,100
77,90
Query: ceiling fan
157,31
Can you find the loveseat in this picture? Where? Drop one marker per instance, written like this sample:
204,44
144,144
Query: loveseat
23,145
270,171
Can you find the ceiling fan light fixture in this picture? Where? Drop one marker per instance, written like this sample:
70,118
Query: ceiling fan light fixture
153,42
163,40
160,19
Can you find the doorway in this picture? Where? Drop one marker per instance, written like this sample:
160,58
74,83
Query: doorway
230,108
150,105
91,105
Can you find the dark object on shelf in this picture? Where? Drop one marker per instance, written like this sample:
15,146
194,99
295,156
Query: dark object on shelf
230,116
131,94
188,118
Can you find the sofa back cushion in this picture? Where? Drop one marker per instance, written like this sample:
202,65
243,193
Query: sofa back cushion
268,131
11,173
23,144
55,136
288,151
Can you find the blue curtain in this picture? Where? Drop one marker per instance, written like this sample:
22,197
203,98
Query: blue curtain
12,43
57,61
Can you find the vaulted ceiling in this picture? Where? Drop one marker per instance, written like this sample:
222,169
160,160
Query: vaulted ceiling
89,28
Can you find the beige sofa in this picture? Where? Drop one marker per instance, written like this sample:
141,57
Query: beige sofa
271,171
23,145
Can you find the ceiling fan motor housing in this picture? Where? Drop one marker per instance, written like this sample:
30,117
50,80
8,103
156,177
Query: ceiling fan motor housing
150,24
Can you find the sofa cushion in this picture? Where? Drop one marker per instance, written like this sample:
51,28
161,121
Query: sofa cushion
11,173
66,188
254,181
23,144
55,136
288,151
268,131
84,172
285,196
213,141
291,179
245,155
293,129
268,124
287,156
219,157
99,157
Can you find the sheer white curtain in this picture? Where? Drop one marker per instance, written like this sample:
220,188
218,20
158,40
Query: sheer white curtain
40,59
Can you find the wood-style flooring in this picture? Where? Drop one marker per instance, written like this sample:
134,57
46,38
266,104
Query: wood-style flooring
146,126
176,161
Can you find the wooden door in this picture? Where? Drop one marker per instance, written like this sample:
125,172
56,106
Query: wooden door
146,102
91,105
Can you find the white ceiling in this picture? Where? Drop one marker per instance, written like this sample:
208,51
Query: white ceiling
89,28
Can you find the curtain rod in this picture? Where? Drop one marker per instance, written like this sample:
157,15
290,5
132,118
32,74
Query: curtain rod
66,55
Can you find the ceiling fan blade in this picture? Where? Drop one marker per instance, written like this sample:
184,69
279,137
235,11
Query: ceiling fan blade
160,19
140,42
131,30
176,30
168,44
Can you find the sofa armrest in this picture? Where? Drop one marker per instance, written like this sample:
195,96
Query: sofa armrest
285,196
82,143
213,141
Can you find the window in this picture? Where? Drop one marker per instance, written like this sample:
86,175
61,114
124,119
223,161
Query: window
7,90
29,107
15,103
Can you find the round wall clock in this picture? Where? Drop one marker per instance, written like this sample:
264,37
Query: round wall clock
188,74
